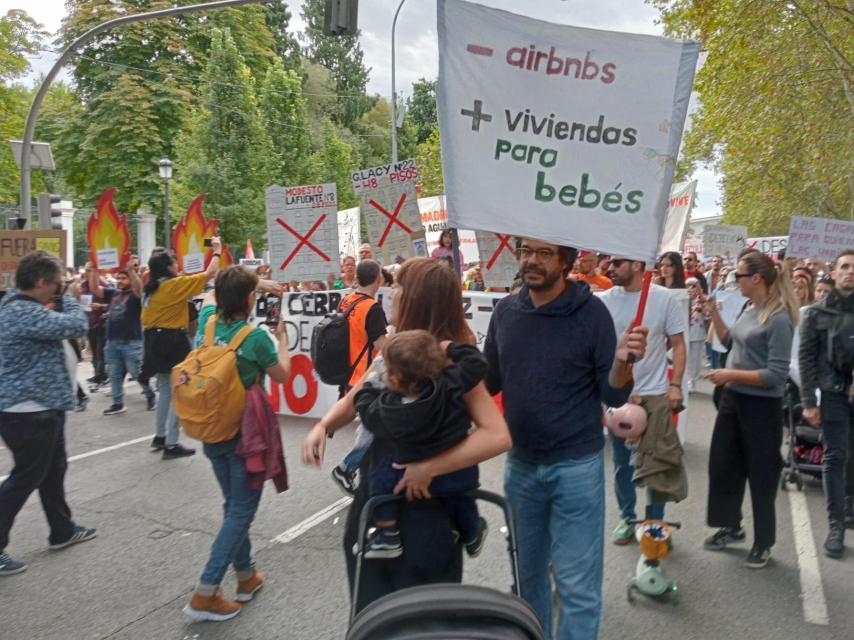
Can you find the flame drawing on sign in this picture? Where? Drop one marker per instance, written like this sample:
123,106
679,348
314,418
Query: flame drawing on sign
190,233
107,229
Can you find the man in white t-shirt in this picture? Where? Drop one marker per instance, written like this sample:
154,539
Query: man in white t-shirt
653,391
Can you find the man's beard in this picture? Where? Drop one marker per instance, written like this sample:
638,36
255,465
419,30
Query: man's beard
549,279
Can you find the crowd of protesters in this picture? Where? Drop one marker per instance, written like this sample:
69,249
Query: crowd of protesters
559,348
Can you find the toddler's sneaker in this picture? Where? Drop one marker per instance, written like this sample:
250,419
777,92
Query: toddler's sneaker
384,544
623,533
474,547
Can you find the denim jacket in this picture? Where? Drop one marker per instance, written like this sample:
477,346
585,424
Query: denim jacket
32,359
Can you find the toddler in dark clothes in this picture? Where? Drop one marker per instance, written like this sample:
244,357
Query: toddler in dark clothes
417,404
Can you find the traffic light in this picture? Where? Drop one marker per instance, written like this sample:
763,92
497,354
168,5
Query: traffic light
341,18
49,214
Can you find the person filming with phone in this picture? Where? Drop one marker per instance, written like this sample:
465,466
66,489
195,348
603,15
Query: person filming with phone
659,396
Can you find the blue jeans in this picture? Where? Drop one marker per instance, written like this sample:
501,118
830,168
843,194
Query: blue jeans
167,421
351,462
124,357
624,487
559,511
37,443
231,545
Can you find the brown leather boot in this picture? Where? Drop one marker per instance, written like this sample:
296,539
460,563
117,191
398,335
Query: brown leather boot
246,589
213,607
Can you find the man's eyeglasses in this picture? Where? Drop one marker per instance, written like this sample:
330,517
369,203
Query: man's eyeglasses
543,254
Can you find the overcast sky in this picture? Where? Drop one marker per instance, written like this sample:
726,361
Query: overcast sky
417,54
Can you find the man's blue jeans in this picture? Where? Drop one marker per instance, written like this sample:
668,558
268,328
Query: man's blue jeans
624,487
124,357
560,520
231,545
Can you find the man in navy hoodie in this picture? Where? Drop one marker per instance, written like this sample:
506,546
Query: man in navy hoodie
553,351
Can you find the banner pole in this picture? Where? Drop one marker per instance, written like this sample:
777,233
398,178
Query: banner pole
455,250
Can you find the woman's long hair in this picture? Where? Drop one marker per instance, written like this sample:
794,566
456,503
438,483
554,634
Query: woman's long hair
431,300
158,269
781,295
678,269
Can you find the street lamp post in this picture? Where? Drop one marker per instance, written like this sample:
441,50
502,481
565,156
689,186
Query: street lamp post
166,175
394,89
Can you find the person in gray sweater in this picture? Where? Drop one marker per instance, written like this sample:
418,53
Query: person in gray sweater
749,426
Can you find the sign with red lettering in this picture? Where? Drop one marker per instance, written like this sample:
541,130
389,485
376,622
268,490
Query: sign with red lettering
14,245
302,232
390,206
678,212
560,133
821,238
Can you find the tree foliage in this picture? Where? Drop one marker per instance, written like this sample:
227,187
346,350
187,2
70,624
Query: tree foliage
421,107
287,46
776,105
344,58
430,165
227,152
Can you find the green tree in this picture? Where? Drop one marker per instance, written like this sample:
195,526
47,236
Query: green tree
333,161
344,58
430,165
776,105
20,35
287,46
226,152
421,107
284,110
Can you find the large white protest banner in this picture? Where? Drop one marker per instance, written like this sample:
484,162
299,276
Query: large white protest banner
304,394
724,240
302,231
821,238
681,202
348,232
390,206
560,133
434,217
498,262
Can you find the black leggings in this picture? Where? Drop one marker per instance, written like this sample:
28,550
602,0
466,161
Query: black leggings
746,448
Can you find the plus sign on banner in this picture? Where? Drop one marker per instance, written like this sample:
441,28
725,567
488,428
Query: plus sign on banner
559,133
497,258
390,207
302,232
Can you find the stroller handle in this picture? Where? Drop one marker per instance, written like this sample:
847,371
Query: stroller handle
477,494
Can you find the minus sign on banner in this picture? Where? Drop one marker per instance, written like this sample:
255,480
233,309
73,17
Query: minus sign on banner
485,309
479,50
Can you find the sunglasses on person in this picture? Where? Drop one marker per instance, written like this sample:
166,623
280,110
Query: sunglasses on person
739,276
618,262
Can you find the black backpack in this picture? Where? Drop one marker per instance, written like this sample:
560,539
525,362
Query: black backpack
330,346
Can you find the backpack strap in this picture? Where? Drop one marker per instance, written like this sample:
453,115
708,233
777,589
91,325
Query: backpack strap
234,344
355,303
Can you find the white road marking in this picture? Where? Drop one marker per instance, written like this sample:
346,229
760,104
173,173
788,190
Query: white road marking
312,521
812,590
96,452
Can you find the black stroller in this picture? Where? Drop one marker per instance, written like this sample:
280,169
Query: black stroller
804,442
444,610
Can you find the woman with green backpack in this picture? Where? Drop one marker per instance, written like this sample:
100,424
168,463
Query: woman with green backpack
223,323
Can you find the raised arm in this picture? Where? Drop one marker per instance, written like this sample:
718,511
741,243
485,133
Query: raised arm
213,265
133,276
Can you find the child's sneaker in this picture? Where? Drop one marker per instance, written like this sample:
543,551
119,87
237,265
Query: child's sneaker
345,480
384,543
474,547
213,607
246,589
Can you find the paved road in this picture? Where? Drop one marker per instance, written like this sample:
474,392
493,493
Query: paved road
156,521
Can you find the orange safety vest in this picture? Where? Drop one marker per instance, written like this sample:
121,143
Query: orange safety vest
358,333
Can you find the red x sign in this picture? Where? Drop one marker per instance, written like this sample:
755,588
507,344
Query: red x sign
392,217
503,241
303,240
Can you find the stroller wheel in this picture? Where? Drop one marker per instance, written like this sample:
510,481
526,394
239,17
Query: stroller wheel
784,482
630,592
799,482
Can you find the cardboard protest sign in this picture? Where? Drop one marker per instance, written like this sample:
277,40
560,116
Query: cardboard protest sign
304,394
252,263
724,240
730,303
434,218
107,234
676,224
498,262
390,207
560,133
821,238
768,244
349,233
14,245
188,240
302,231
